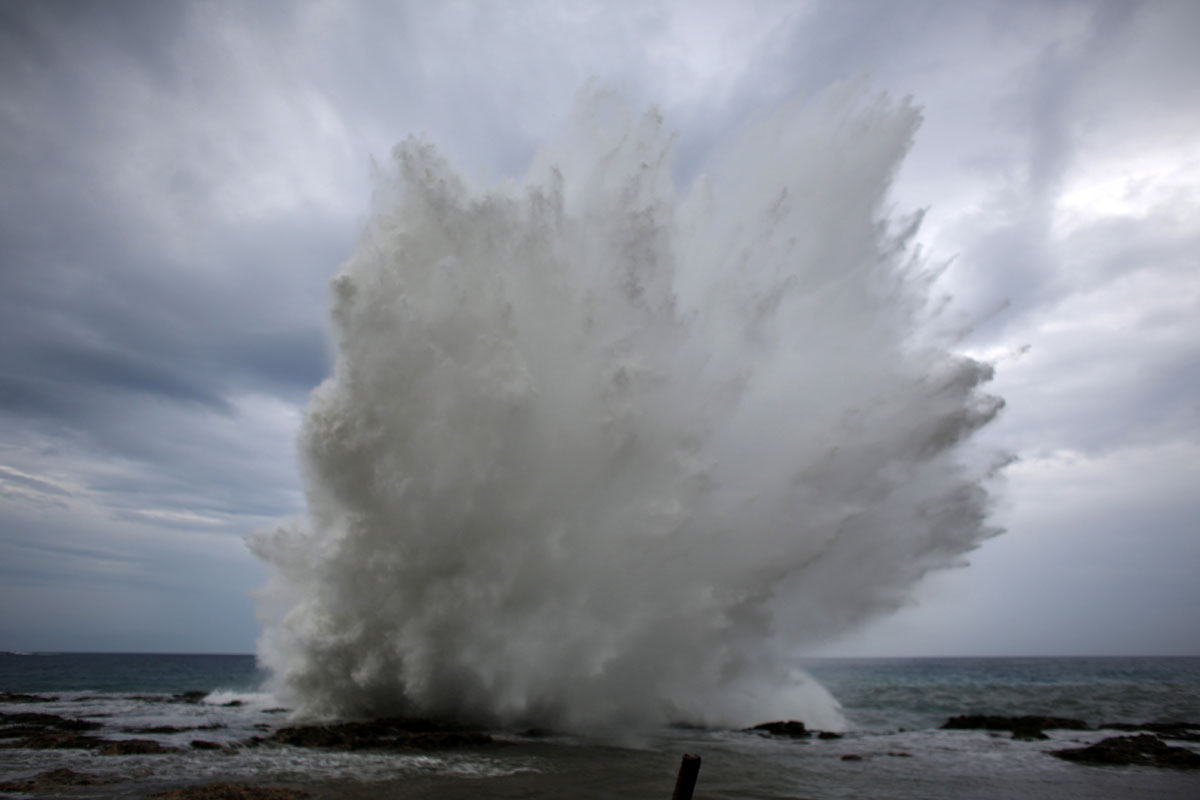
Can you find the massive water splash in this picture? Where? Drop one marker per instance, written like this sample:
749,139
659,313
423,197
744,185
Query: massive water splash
598,452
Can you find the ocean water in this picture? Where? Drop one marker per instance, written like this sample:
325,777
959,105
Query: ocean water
893,707
115,673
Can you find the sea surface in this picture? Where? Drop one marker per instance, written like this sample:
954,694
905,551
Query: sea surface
894,708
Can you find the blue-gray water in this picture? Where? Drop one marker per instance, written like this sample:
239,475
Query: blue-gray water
127,672
894,706
879,694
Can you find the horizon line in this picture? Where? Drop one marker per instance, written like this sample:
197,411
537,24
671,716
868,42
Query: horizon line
824,657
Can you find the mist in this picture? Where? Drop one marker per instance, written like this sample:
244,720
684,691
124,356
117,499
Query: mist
604,451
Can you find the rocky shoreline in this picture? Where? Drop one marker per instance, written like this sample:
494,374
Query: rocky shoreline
1141,745
40,731
1146,749
36,731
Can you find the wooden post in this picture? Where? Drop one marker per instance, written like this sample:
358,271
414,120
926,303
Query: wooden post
689,768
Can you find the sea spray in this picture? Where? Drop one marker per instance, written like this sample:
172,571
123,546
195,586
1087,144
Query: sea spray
601,453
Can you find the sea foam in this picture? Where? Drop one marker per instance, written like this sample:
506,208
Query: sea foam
600,451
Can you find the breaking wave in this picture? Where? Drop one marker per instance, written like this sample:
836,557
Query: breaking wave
599,450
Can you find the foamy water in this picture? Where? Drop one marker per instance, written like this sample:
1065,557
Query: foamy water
604,451
895,708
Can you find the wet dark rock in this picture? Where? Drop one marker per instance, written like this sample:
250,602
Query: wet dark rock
53,780
233,704
1030,726
793,728
18,697
19,731
45,732
232,791
681,725
990,722
50,739
275,710
1156,727
892,754
1185,731
172,728
192,697
384,734
48,721
1143,750
1029,734
51,732
537,733
204,744
133,747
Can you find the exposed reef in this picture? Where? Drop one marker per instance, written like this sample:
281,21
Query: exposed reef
54,780
1029,726
791,728
1145,749
232,791
381,734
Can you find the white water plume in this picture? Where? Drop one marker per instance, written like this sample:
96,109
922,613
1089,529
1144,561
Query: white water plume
601,452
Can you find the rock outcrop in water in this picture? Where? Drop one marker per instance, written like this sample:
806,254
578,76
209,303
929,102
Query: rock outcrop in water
193,697
382,734
32,731
14,722
18,697
232,791
49,739
791,728
205,744
1030,726
46,732
54,780
134,747
1142,750
1185,731
152,729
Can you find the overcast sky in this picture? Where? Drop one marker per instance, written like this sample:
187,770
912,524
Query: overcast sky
180,181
